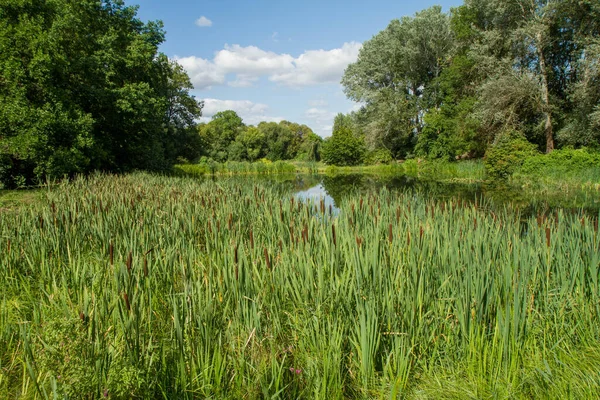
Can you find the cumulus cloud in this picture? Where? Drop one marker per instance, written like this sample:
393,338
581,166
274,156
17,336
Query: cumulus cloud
322,120
203,73
248,64
319,66
252,113
203,22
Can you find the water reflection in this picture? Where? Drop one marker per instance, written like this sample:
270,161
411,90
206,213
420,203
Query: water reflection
332,189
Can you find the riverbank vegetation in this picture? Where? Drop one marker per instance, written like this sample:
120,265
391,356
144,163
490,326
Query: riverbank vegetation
141,286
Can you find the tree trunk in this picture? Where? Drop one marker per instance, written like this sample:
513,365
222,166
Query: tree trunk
545,97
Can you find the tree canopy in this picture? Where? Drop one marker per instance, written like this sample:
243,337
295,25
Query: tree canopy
83,86
450,85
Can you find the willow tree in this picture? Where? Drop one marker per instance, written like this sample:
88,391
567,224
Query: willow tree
395,75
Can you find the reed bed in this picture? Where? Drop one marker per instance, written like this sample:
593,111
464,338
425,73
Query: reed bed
142,286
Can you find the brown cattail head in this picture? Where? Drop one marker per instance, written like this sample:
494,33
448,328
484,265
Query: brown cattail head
333,235
421,233
82,316
41,220
267,258
126,298
230,221
280,246
359,241
129,262
53,207
596,225
251,239
475,222
145,266
390,234
408,238
539,220
111,252
548,236
361,203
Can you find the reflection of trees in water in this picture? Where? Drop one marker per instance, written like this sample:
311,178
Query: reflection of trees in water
493,196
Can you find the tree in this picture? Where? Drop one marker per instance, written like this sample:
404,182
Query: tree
343,148
220,133
395,76
83,87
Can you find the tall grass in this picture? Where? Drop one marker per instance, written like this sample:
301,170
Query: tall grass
142,286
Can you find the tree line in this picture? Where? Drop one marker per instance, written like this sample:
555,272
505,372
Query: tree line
454,85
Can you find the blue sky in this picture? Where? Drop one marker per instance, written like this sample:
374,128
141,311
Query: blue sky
273,60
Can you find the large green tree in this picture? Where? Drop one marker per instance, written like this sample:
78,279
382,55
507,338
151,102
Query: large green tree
82,86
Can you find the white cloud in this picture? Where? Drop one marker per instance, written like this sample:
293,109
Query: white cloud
275,37
252,113
203,22
252,61
322,120
203,73
318,103
319,66
248,64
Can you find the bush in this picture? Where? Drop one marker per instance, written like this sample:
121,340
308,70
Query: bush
378,156
507,155
567,161
343,148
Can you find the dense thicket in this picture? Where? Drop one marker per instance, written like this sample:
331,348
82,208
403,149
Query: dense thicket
453,85
227,138
83,86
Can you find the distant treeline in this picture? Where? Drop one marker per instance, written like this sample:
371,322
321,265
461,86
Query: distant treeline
227,138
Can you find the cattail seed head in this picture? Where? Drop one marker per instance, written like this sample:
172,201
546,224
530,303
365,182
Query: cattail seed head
548,236
333,235
129,262
267,258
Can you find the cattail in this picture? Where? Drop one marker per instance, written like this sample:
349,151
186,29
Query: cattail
251,239
128,263
475,222
548,236
398,215
218,226
596,225
53,207
82,316
539,220
230,222
358,241
391,234
292,234
126,298
408,238
145,266
280,246
111,252
330,210
421,234
352,207
361,203
41,220
582,220
209,227
267,259
333,235
235,260
322,206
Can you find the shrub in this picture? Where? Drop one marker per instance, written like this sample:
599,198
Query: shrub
507,155
343,148
378,156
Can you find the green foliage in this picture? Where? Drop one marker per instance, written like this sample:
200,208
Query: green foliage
507,155
83,87
145,286
378,156
343,148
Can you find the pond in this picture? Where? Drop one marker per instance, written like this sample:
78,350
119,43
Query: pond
333,188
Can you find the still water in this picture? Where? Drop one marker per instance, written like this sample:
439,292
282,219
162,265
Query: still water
332,189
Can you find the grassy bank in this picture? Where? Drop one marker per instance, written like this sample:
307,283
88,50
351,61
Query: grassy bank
141,286
467,171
